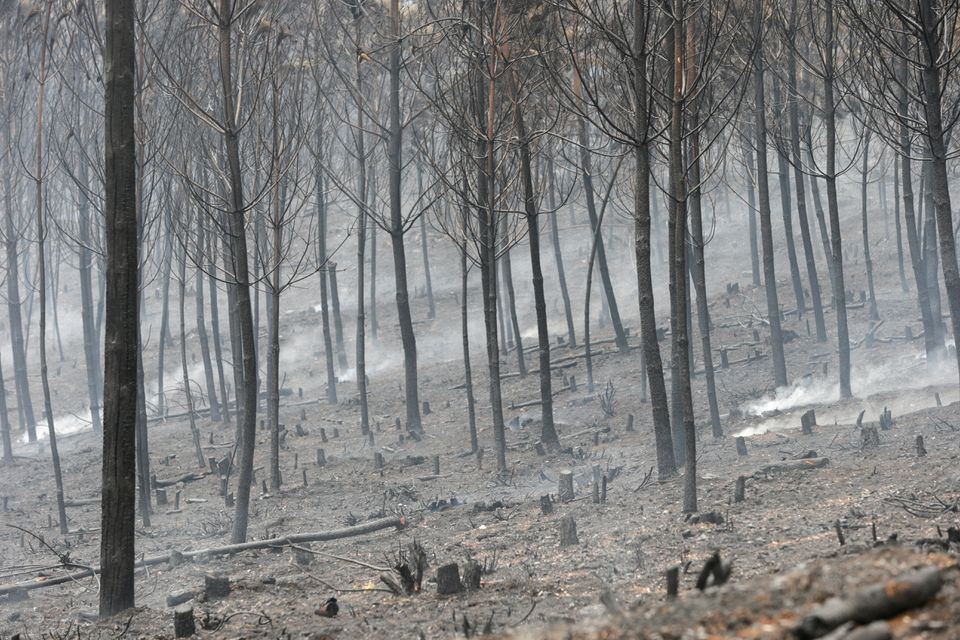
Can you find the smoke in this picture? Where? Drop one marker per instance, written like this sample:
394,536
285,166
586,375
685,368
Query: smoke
895,383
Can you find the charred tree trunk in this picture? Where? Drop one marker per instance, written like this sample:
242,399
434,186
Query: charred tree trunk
361,345
898,227
394,156
798,179
42,275
932,92
187,392
117,545
766,229
465,333
557,253
783,174
424,250
215,327
830,118
202,335
748,159
506,266
666,465
328,355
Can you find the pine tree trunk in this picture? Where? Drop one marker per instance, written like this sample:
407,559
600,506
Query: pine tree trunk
187,392
465,333
424,250
17,346
830,117
215,327
117,506
783,173
871,292
506,266
798,182
557,253
328,355
748,159
202,335
666,465
766,229
898,227
91,340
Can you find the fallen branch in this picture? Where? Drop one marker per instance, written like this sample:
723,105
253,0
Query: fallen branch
185,478
792,465
882,601
319,536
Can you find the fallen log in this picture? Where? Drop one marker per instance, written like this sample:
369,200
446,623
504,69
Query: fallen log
373,526
879,602
792,465
185,478
83,502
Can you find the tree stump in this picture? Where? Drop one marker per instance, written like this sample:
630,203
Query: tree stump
573,383
296,459
425,410
603,490
161,498
936,396
436,465
370,438
630,427
378,461
215,586
807,421
299,430
228,499
184,625
886,419
399,425
565,491
741,446
303,412
448,579
921,450
596,483
724,359
673,582
546,505
472,572
480,459
305,483
336,432
321,458
568,531
739,492
869,438
323,434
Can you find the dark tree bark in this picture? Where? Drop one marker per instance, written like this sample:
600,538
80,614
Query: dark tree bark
394,157
818,207
932,46
548,433
374,320
164,337
362,186
830,119
786,208
766,229
666,465
337,316
798,180
122,318
247,420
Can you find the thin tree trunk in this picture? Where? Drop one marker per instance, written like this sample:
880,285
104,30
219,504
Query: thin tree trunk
586,167
42,271
424,250
215,414
871,292
215,328
91,341
5,422
548,433
244,315
898,226
328,355
666,465
798,180
394,157
163,338
755,271
557,253
374,320
818,207
506,266
783,173
766,229
830,117
337,316
187,392
465,334
362,187
22,383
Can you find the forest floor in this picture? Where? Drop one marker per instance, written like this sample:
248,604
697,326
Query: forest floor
781,539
